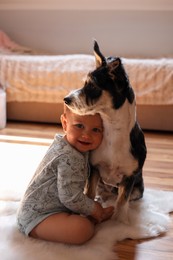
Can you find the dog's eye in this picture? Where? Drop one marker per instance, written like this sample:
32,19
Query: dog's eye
94,80
91,91
94,88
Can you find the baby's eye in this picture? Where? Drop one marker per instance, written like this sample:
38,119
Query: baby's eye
80,126
97,130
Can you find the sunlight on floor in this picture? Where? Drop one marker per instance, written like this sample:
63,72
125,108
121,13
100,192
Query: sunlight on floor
24,139
18,162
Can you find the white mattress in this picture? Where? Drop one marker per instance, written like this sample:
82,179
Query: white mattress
29,77
42,78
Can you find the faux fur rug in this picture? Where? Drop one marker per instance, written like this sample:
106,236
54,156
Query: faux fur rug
148,218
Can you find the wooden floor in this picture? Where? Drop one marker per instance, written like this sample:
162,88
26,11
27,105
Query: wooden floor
158,174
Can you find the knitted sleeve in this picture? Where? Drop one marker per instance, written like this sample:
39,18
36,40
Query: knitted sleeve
72,175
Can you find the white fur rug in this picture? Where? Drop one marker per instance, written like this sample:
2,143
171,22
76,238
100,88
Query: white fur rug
148,218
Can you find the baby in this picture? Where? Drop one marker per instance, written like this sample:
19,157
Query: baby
54,206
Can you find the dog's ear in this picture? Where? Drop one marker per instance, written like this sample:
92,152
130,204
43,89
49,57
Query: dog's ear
113,65
100,59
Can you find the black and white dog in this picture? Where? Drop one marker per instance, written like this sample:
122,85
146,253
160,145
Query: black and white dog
120,157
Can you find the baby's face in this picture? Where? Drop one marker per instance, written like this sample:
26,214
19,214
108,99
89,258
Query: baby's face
84,133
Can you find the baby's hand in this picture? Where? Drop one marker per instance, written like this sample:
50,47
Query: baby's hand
107,213
100,214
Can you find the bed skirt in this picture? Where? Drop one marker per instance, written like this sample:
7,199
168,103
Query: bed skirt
150,117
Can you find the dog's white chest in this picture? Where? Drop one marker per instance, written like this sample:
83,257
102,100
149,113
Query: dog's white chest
114,160
113,157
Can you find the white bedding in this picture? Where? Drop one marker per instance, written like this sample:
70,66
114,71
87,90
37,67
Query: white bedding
48,78
43,78
152,80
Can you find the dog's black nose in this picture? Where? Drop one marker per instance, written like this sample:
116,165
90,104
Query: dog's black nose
67,100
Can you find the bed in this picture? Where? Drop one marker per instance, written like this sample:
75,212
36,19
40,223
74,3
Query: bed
35,84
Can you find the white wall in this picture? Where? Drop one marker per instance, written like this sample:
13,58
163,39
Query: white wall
141,28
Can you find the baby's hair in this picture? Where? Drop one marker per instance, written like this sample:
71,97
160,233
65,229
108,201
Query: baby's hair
66,109
66,112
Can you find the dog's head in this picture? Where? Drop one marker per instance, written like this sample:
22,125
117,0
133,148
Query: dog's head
106,87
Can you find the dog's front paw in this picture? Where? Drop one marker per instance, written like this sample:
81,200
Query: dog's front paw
121,214
135,195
